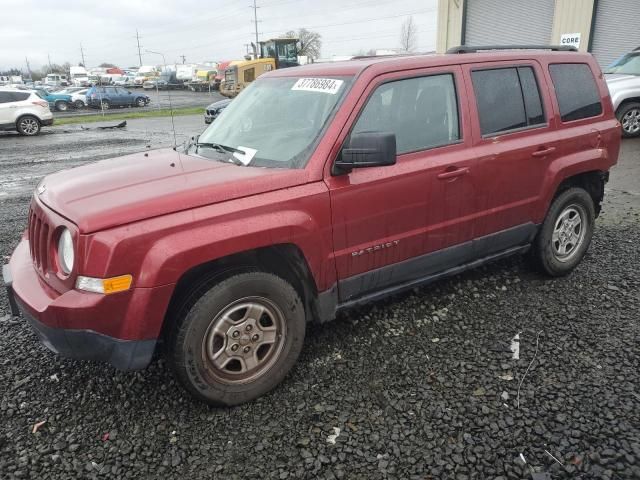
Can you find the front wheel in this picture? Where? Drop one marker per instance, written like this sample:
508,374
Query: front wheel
28,126
566,232
78,104
62,106
140,102
629,117
236,340
105,105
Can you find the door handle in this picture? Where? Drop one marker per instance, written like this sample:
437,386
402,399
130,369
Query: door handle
543,152
458,172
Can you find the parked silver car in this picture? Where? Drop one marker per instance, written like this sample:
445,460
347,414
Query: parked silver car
623,79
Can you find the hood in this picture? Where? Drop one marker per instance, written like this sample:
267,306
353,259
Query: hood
127,189
219,104
616,80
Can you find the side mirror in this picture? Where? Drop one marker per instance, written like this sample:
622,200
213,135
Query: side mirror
366,149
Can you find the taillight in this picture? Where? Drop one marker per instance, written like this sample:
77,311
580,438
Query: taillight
40,104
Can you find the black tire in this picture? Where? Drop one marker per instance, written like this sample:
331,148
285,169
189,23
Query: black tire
78,104
547,248
628,115
140,102
105,105
28,125
62,106
200,317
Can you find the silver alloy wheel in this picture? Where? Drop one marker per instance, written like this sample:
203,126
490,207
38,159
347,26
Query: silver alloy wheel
62,106
140,102
569,232
631,121
29,126
244,340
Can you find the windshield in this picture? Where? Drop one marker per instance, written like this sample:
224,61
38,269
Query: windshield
628,64
276,122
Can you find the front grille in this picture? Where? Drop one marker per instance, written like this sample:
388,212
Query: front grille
39,239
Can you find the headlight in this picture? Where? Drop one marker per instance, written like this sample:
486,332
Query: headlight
65,251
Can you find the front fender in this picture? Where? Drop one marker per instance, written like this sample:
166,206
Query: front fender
160,250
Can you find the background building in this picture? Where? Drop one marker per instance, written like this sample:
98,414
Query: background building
606,28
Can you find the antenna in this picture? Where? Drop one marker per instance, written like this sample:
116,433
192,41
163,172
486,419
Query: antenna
184,58
173,126
138,40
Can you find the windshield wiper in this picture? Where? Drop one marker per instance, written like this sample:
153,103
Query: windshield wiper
222,149
219,147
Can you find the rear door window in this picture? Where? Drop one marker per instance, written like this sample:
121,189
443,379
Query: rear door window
576,91
422,112
507,99
19,96
5,97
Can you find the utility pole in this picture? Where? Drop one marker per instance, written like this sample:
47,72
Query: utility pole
255,21
28,67
82,54
49,58
184,58
138,40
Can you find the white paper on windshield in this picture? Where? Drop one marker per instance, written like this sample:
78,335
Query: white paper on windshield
246,156
324,85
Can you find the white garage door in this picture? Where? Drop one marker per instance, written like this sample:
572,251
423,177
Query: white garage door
617,29
497,22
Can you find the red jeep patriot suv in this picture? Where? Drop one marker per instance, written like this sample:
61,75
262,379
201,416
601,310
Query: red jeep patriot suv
318,188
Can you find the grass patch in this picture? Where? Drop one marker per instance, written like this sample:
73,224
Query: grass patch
164,112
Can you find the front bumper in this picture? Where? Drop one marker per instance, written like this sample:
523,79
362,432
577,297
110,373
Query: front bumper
47,122
64,322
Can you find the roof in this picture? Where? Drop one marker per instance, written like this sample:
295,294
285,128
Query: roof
407,62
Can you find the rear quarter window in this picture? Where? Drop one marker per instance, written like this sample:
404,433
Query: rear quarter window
576,91
19,96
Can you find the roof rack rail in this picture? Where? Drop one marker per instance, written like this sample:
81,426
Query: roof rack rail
470,49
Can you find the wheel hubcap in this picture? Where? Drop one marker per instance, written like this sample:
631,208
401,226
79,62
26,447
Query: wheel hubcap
29,126
244,340
631,121
568,233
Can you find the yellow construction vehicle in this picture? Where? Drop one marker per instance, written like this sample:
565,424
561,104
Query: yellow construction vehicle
274,54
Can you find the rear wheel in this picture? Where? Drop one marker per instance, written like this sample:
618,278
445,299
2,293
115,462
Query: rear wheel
28,125
629,117
566,232
236,340
62,106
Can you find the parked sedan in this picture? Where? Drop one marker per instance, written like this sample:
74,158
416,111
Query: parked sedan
78,96
58,101
111,96
215,109
623,80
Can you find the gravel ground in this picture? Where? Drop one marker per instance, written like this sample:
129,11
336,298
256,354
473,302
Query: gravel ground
420,386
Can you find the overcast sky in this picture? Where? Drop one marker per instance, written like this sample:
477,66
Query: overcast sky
199,29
